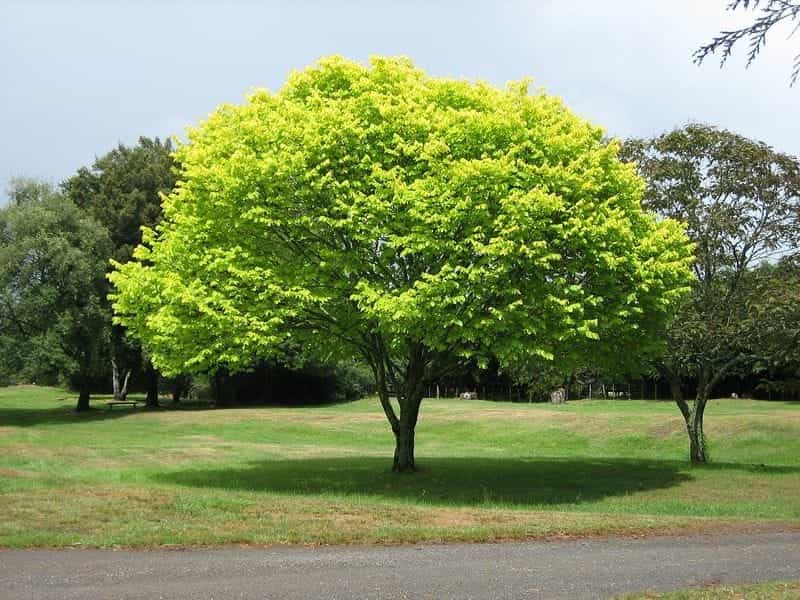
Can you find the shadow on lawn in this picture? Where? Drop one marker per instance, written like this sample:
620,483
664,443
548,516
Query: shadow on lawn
464,481
63,415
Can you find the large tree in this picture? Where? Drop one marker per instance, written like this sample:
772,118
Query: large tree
53,315
413,221
740,200
122,190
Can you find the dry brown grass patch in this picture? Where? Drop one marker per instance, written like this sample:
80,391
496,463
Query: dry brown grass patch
17,473
667,429
129,495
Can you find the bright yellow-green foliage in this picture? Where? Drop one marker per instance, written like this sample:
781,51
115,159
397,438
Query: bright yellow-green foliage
364,203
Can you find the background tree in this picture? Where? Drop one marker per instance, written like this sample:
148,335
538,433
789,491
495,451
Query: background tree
415,222
122,191
770,14
739,200
53,314
774,321
24,190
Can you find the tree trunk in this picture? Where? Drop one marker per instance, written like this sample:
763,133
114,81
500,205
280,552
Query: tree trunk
693,417
83,395
404,431
115,379
151,400
221,388
409,389
697,444
179,387
123,393
404,449
177,390
698,453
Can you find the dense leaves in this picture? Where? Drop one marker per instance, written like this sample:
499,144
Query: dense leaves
773,318
122,190
413,221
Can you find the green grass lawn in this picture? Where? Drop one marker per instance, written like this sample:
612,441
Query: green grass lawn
786,590
134,477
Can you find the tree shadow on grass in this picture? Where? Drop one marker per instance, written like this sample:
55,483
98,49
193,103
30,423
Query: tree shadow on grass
749,467
65,413
462,481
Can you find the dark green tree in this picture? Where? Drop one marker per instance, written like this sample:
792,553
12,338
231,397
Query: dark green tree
53,312
740,200
122,191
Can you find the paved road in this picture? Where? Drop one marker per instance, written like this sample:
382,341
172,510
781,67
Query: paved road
569,569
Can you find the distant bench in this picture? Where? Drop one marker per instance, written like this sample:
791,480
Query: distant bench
112,403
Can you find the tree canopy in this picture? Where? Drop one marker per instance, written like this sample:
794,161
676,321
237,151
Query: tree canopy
413,221
122,190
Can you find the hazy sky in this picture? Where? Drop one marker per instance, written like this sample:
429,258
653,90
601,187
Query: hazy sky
76,78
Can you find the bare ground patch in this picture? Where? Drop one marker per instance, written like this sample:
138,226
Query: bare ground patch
264,414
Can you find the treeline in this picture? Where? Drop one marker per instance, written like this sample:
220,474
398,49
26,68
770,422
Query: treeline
57,244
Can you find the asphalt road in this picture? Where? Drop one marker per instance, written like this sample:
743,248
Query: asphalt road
597,568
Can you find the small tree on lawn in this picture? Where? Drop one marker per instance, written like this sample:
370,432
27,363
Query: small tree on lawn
413,221
740,201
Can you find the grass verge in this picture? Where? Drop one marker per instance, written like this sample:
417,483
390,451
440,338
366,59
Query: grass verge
787,590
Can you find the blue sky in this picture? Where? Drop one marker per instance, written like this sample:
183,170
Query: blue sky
76,78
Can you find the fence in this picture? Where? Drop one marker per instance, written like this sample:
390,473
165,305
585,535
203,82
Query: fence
637,389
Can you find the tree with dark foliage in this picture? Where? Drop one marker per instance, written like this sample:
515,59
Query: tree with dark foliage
54,317
740,201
